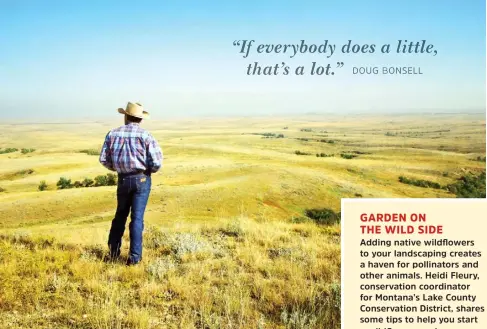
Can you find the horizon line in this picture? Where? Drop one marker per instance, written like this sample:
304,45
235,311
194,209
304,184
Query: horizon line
102,119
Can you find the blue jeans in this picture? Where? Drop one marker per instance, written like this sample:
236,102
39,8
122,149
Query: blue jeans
132,196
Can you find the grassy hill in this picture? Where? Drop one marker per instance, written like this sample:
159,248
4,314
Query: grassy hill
227,243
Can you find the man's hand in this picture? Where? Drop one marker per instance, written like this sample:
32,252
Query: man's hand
154,155
105,155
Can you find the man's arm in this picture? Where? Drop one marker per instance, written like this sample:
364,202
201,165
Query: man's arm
105,155
154,155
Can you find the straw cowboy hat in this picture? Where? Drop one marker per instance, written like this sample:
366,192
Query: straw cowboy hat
134,110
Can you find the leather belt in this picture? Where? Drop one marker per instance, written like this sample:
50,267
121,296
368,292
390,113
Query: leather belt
138,172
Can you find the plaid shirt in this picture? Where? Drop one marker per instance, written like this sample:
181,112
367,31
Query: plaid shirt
130,148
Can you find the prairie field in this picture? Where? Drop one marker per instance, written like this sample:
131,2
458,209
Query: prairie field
229,241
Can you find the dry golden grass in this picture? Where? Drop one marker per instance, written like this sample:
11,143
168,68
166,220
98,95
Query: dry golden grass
221,249
240,274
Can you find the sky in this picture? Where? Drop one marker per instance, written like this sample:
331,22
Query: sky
87,58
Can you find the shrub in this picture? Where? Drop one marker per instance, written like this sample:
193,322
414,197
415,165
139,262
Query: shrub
301,153
90,151
323,155
307,130
321,310
155,238
25,151
43,186
360,152
479,158
469,186
323,216
160,267
87,182
25,172
329,141
8,150
348,156
299,220
279,252
2,189
187,243
111,179
233,228
335,298
419,182
107,180
64,183
101,180
269,135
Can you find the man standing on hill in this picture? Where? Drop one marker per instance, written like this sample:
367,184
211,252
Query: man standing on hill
134,154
